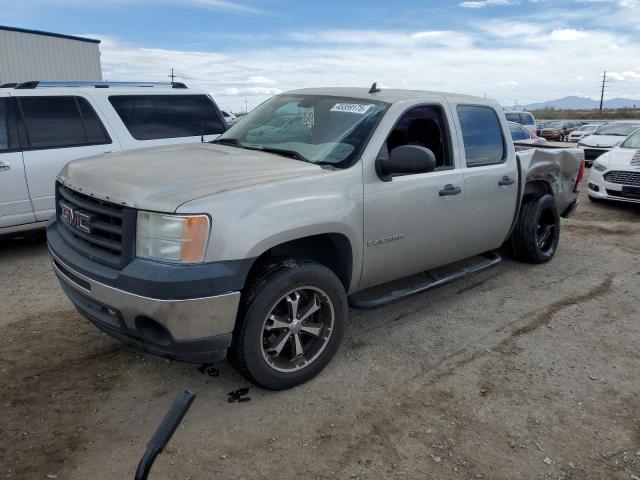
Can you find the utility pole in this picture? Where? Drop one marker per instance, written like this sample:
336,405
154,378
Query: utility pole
172,76
246,106
604,83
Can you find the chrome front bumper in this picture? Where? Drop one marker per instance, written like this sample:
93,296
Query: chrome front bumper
186,329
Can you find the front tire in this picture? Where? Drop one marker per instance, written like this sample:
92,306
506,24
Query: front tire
291,322
535,238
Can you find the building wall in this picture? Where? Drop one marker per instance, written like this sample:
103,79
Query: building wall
28,56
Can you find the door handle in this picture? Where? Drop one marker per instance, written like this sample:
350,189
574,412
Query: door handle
4,166
506,181
450,190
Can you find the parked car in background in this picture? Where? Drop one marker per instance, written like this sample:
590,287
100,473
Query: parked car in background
258,244
558,131
615,175
606,137
44,125
583,131
521,135
229,117
541,125
525,119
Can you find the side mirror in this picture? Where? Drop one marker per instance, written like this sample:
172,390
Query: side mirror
406,160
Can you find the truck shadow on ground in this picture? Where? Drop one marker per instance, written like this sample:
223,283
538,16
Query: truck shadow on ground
24,243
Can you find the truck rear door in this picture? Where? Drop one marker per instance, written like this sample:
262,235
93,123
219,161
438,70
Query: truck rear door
490,177
55,130
15,205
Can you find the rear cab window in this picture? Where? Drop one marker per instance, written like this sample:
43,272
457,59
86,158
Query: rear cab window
60,122
482,135
153,117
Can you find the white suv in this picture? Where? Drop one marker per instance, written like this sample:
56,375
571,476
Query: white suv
44,125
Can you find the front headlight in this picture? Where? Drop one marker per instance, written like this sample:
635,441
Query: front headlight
174,238
599,166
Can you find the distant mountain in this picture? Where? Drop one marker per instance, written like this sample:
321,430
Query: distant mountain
583,103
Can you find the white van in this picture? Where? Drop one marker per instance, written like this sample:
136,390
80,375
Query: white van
44,125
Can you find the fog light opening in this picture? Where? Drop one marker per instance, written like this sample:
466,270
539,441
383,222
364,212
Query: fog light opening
153,331
593,187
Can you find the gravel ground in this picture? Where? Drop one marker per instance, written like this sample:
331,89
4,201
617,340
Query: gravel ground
521,372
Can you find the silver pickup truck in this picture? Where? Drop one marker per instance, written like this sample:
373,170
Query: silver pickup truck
255,245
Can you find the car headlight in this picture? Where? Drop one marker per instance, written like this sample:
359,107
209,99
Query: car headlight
174,238
599,166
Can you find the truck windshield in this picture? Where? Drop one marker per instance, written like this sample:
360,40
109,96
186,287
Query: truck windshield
633,141
314,128
618,129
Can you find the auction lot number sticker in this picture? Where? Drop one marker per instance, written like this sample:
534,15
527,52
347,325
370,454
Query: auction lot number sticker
358,108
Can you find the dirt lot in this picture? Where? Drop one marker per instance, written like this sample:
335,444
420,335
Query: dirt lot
521,372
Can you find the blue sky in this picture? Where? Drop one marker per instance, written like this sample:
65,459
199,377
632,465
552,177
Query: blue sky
525,50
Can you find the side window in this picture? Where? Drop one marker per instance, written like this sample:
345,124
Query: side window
425,126
95,131
482,135
151,117
57,122
528,119
518,133
8,133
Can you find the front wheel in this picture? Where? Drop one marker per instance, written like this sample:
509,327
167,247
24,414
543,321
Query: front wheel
292,321
535,238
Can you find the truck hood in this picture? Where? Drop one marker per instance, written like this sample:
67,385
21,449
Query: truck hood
603,141
163,178
621,157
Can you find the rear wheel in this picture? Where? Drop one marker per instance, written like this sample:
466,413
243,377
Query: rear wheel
535,238
292,322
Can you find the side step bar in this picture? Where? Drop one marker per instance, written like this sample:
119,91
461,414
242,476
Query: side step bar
493,259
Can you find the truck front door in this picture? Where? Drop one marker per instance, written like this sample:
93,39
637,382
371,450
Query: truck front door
412,223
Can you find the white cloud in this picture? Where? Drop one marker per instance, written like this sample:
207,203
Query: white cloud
566,34
487,3
533,58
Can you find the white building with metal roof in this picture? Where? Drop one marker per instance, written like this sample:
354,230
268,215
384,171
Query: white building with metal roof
27,55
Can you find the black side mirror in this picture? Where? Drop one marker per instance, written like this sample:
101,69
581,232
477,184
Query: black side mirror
406,160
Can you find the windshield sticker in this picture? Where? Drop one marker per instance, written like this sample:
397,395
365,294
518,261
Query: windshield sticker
358,108
307,117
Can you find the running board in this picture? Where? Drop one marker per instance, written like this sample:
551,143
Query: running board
493,259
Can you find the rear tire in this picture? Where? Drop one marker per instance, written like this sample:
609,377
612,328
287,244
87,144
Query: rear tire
535,238
276,344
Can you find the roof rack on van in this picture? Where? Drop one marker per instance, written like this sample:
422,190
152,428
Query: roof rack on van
41,84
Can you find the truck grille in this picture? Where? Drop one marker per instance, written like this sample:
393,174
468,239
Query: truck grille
623,178
97,229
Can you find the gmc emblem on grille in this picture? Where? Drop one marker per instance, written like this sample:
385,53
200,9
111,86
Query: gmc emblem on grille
76,218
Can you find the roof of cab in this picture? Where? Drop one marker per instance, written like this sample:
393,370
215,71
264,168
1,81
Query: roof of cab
388,95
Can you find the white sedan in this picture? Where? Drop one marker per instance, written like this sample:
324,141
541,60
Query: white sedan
615,175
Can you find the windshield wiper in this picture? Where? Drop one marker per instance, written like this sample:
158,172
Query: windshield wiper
285,153
234,142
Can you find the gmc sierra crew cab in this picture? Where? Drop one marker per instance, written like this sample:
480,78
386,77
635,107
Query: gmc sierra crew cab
255,245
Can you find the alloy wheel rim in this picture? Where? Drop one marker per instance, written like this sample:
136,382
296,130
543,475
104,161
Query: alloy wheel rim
297,329
546,232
